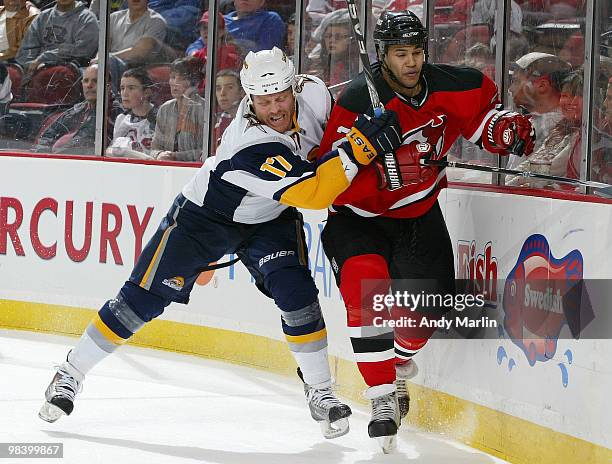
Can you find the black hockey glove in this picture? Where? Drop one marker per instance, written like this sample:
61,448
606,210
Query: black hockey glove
372,136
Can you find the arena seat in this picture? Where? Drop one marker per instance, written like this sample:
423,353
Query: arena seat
16,74
53,85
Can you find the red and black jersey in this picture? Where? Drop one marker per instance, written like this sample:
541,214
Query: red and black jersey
453,101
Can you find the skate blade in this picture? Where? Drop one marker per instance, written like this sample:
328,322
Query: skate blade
336,429
50,413
388,443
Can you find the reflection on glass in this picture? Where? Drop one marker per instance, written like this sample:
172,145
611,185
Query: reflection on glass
251,25
546,82
73,131
335,55
47,81
535,87
601,163
559,153
463,35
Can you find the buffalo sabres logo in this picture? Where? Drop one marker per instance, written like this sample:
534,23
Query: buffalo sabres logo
431,133
300,81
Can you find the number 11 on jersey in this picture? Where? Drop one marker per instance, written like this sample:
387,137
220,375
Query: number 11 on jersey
268,166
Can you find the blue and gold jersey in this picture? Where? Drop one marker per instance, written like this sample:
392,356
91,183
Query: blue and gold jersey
258,172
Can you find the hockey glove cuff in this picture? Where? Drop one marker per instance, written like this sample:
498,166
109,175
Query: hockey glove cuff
372,136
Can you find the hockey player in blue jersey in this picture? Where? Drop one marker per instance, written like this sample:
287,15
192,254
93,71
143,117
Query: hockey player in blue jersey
244,201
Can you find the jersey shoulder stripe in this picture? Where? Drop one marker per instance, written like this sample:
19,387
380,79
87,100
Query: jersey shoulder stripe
447,78
356,97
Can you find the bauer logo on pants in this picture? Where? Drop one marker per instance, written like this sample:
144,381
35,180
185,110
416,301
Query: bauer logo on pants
276,254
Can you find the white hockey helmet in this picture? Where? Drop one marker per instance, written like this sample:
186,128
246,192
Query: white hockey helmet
267,72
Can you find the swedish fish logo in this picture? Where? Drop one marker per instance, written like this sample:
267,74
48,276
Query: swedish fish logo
539,297
176,283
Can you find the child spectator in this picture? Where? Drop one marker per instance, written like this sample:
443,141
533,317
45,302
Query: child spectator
66,32
338,55
290,49
228,92
134,129
179,130
15,18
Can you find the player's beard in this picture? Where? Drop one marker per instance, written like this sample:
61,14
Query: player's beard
397,85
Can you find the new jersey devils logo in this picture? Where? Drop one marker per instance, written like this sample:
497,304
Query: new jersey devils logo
432,132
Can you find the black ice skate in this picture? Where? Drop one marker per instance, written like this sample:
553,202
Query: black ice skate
59,397
403,372
327,410
385,416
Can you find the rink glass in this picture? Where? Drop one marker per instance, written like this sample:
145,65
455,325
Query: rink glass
315,36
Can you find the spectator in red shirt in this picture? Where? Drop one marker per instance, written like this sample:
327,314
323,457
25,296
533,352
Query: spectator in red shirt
228,54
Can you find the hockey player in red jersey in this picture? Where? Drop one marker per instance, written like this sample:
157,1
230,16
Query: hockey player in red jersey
374,232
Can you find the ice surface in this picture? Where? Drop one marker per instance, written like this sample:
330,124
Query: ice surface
148,406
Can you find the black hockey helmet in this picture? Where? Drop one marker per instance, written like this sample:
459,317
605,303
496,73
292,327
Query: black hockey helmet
399,28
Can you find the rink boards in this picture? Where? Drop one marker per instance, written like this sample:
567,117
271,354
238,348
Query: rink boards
70,231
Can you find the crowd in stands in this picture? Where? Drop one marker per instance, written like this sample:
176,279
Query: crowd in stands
157,51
